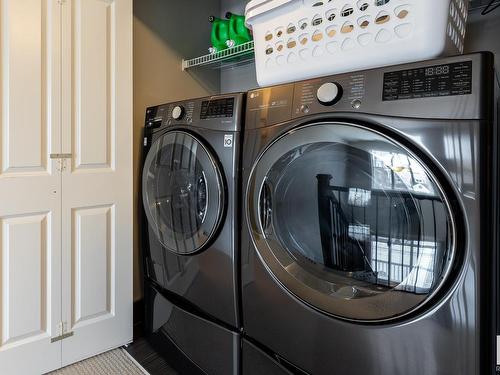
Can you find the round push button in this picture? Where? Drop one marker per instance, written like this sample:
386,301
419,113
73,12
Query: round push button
356,104
177,112
304,108
329,93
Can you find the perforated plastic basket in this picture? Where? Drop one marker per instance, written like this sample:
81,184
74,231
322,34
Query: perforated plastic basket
299,39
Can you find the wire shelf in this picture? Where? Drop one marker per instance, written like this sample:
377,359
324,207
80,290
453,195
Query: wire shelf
234,53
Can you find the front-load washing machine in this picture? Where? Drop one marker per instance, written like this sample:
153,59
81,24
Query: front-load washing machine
370,220
190,190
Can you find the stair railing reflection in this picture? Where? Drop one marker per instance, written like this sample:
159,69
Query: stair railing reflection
398,252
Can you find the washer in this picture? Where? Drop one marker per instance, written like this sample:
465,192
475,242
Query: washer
369,221
190,190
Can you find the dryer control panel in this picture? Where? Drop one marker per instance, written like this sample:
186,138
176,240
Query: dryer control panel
448,88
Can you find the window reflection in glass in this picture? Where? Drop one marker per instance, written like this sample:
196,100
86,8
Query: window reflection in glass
176,192
179,190
397,171
359,216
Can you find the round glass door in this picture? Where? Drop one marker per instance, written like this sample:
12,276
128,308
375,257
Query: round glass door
350,222
182,192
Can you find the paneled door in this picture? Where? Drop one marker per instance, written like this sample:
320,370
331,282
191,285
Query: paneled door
97,178
30,186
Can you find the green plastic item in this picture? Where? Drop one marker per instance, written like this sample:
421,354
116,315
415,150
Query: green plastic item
220,34
238,32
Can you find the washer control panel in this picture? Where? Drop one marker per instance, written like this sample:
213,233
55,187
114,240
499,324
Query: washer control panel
221,112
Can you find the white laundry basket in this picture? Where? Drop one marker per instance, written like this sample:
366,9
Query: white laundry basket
299,39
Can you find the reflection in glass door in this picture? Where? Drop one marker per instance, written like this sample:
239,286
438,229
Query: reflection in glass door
182,192
352,216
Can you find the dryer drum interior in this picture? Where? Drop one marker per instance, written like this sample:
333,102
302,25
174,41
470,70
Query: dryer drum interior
183,192
351,222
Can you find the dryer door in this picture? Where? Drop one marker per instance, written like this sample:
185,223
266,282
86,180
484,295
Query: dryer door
350,222
183,192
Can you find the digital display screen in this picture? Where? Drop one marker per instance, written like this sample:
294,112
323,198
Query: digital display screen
217,108
437,70
432,81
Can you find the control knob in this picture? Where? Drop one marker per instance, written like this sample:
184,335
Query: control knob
177,112
329,93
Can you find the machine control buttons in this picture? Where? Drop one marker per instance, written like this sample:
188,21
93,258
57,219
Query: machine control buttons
356,103
428,82
217,108
177,112
329,93
154,122
304,108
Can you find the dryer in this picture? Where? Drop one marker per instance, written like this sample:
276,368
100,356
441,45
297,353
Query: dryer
369,222
190,190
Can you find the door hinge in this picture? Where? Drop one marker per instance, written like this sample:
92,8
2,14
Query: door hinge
61,160
61,165
63,332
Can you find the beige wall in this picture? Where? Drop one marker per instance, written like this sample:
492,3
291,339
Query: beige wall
163,35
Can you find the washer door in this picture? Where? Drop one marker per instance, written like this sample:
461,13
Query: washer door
350,222
183,192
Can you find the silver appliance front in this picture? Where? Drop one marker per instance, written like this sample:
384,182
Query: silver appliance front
351,222
369,230
190,229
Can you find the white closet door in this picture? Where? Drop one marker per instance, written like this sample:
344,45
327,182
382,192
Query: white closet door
30,194
97,182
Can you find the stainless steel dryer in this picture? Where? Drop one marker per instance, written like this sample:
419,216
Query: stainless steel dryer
369,222
190,189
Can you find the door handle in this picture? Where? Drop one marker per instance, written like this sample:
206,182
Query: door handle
265,207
